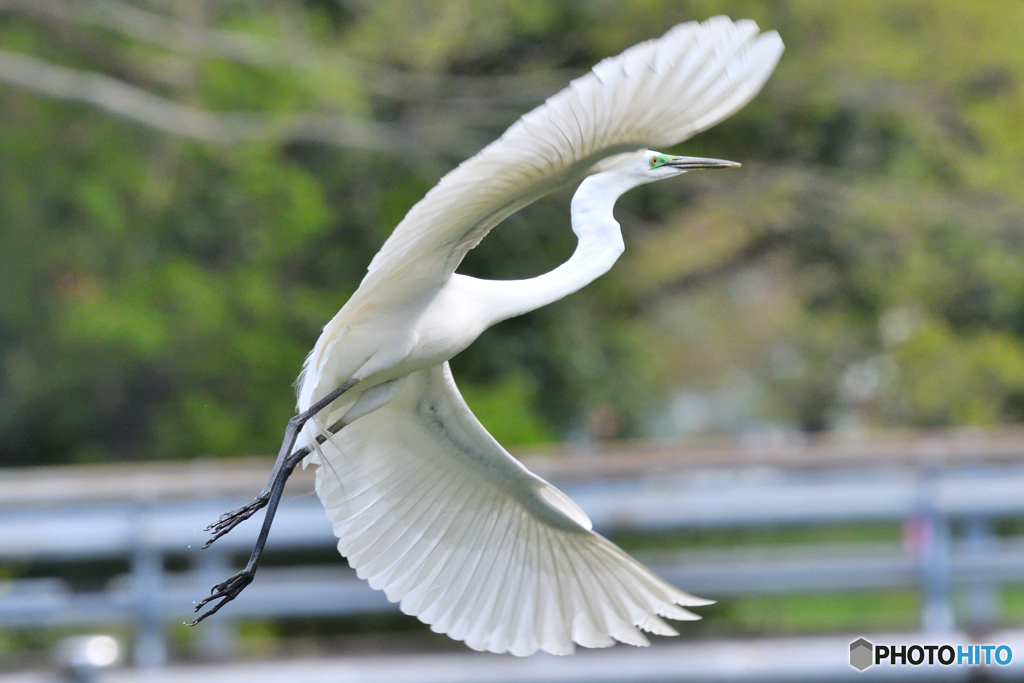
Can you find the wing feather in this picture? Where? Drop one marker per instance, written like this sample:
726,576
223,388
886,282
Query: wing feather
430,509
586,623
655,94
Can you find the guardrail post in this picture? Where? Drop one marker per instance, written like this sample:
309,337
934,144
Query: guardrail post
928,536
937,613
217,637
147,583
982,598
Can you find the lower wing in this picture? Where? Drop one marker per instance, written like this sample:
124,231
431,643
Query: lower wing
429,508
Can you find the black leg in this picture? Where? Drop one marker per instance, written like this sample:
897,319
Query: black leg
270,497
229,590
230,520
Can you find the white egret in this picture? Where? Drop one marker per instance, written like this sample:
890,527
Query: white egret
427,506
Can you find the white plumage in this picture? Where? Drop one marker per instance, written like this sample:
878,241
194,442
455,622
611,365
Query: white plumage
427,506
430,509
655,94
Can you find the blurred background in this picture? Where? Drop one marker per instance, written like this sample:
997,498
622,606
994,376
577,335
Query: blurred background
818,358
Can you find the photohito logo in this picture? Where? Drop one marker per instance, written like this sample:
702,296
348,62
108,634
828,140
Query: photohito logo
861,654
864,654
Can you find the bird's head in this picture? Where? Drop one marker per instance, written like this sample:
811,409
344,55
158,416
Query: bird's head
630,169
655,165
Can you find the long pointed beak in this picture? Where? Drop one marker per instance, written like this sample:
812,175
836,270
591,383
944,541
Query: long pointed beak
699,163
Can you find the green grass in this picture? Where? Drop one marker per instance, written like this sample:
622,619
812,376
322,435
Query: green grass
1012,603
800,614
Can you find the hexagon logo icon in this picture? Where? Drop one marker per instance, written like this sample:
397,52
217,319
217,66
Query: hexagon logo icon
861,654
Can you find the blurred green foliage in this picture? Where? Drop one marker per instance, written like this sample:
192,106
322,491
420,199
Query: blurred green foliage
158,293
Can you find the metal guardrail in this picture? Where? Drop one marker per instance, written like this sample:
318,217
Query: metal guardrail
812,659
926,497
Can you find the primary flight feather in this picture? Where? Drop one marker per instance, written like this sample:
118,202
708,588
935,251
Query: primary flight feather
426,505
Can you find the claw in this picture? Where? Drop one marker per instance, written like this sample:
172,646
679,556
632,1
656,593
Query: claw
228,590
229,520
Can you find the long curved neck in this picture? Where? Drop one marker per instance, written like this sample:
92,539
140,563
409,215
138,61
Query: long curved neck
599,246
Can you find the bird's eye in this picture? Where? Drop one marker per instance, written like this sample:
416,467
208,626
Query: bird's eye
654,161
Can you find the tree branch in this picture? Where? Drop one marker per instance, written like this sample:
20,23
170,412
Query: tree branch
244,48
138,105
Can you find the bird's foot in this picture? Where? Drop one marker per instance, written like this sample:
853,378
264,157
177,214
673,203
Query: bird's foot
229,520
225,592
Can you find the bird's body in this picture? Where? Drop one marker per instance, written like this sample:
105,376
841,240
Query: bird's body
383,340
426,504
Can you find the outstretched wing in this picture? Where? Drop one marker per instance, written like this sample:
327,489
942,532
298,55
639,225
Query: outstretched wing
429,508
655,94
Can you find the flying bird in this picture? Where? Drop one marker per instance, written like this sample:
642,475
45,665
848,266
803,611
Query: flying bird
426,505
